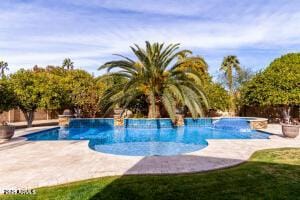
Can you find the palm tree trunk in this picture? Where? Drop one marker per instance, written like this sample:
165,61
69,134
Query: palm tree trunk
156,113
232,102
154,106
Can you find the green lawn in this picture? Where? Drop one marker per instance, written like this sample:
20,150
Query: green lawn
269,174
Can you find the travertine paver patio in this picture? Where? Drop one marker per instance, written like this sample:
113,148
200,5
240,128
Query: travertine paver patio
28,164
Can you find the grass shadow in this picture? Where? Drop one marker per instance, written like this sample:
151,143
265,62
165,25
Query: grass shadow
252,180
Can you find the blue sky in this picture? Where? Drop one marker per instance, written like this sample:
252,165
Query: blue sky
90,31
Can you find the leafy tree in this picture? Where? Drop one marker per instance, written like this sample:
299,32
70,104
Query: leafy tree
54,95
35,89
67,64
82,91
3,68
54,88
217,96
231,66
28,88
8,99
277,85
90,98
53,92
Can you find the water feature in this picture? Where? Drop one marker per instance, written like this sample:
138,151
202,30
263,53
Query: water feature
238,124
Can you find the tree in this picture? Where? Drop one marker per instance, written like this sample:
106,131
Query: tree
28,89
82,91
217,96
277,85
54,88
231,66
153,75
89,100
67,64
3,68
228,66
53,93
244,76
7,100
37,89
241,79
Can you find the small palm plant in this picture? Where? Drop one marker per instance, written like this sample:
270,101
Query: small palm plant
3,68
67,64
158,75
230,65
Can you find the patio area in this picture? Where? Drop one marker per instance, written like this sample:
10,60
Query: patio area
27,164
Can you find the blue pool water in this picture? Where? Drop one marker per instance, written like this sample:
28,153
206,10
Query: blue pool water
150,141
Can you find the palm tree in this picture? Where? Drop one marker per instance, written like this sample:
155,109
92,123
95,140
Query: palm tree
229,65
155,74
67,64
3,68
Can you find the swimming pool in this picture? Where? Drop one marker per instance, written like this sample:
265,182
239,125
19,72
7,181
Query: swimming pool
139,141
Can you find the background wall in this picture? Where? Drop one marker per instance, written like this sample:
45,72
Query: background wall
274,114
16,115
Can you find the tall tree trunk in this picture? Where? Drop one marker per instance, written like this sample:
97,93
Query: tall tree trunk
231,92
29,116
155,114
154,106
232,103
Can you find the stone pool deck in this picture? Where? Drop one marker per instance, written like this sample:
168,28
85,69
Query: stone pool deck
31,164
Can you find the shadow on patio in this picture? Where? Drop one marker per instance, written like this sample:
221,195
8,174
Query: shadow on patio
251,180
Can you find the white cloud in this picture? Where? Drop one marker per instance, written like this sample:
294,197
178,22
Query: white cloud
183,7
38,34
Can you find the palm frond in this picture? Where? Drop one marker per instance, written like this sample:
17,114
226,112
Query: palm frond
149,76
170,104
